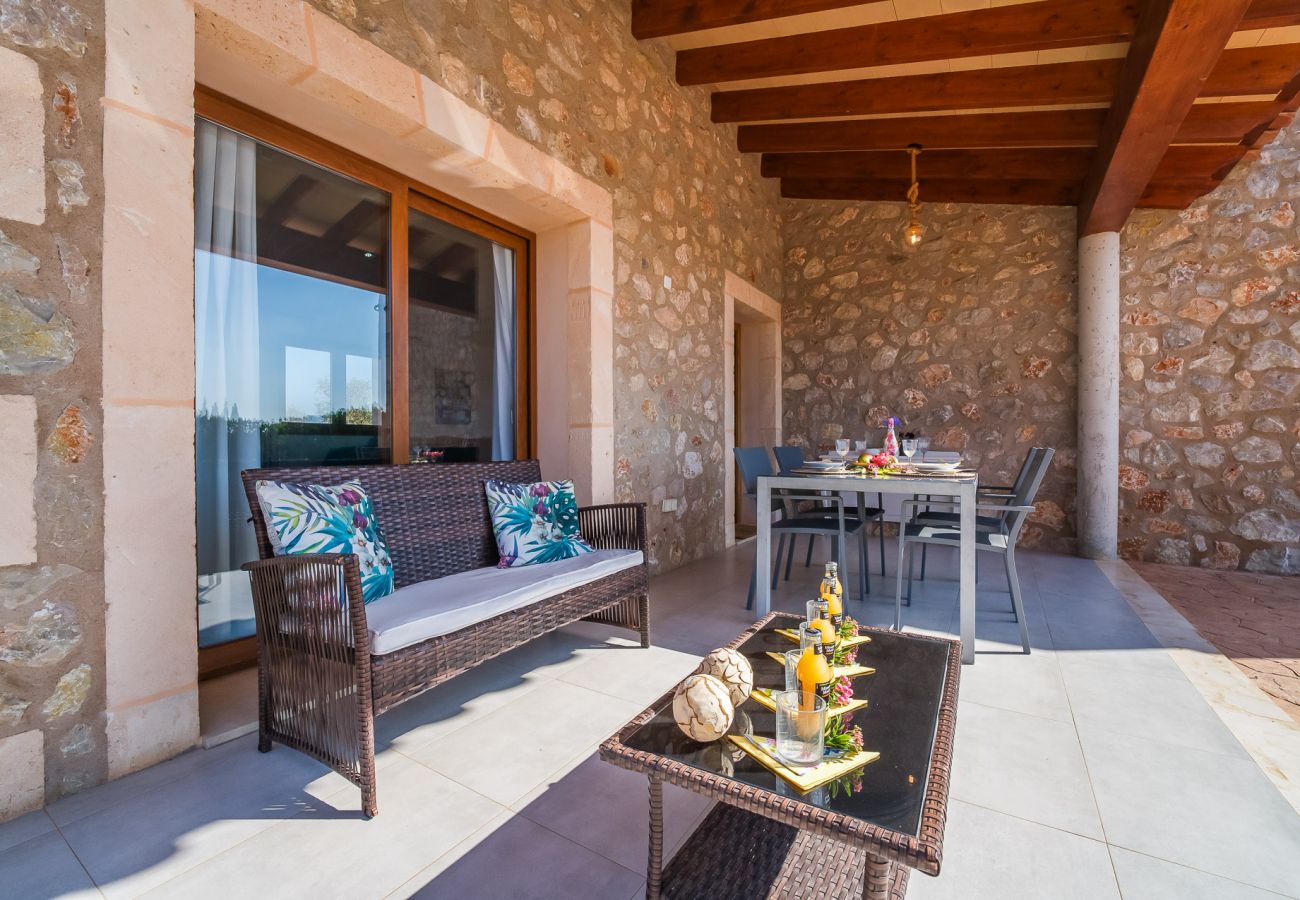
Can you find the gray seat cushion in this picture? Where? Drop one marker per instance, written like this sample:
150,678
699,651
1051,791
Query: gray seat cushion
429,609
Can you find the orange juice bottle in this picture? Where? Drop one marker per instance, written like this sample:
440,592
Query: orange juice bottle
822,622
836,587
834,598
814,674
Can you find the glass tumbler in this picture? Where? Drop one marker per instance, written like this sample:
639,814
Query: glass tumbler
800,727
792,658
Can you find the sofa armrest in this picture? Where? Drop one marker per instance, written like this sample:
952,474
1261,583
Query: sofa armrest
312,601
614,526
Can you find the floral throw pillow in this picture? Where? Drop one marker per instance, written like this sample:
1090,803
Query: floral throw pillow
309,518
535,523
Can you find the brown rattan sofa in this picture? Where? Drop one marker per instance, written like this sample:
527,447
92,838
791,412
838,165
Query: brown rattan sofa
319,684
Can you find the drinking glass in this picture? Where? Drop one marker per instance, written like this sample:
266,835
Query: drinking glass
792,658
923,444
842,448
859,447
909,447
800,727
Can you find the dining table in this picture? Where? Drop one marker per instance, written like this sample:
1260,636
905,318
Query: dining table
959,485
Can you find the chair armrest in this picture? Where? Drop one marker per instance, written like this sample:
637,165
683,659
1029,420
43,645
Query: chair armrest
996,489
998,507
312,600
614,526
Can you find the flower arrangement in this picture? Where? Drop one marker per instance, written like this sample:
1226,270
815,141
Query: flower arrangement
842,735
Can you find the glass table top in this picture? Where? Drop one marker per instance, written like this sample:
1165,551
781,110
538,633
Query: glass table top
904,697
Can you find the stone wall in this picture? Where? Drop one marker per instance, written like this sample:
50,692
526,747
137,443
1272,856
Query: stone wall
568,76
1211,365
968,338
51,542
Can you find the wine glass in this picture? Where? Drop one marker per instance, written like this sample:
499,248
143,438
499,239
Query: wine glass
859,447
923,444
842,449
909,448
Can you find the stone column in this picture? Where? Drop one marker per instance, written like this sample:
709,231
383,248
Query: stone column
1097,502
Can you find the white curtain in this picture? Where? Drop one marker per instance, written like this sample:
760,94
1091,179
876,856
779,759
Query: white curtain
226,342
503,372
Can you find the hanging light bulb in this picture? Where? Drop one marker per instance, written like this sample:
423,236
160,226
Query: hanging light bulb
914,233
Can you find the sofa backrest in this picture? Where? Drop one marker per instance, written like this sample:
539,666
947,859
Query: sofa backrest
434,516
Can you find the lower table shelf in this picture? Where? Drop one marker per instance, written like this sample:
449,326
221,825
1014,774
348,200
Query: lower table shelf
739,855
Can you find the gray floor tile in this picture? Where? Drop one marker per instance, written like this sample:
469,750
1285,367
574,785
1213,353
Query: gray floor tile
1204,810
452,705
1032,685
1148,878
544,729
156,834
1024,766
606,809
326,852
24,828
522,860
991,856
1115,699
632,673
43,868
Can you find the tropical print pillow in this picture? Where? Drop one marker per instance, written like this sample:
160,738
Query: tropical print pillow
309,518
535,523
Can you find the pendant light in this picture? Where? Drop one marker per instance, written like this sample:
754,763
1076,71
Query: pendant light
914,233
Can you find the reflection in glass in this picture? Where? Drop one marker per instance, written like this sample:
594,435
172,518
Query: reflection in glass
291,275
462,344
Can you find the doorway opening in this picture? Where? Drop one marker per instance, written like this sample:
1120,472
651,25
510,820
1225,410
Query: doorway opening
752,339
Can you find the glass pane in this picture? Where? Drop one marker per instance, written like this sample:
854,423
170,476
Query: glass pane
291,321
462,344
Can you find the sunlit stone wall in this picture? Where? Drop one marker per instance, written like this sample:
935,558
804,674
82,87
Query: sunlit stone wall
968,338
568,76
51,484
1211,365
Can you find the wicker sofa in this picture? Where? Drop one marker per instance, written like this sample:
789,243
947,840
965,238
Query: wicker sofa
320,681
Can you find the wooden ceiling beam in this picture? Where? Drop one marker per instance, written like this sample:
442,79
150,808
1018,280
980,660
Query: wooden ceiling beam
1271,14
1207,123
934,190
993,164
1252,70
1170,60
990,164
1241,72
1086,81
662,18
1043,25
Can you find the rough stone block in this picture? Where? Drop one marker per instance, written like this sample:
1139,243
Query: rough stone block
17,479
22,777
22,139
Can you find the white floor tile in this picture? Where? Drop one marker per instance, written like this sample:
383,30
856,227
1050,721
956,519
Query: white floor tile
1204,810
991,856
1024,766
327,852
1154,879
542,731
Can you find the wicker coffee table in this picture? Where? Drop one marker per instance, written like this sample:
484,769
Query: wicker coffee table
766,839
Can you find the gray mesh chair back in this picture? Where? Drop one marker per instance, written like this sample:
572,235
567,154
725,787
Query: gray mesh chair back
788,457
1027,490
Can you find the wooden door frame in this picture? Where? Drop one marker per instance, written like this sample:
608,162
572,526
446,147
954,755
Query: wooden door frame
405,194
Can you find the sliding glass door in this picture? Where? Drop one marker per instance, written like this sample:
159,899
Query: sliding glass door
299,321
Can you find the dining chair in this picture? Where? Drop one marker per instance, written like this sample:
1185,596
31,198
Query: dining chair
754,463
986,493
789,458
998,533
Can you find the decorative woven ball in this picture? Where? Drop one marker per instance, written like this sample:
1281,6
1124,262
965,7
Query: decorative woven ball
731,669
703,708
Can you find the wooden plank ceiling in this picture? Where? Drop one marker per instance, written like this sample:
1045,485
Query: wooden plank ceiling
1100,104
